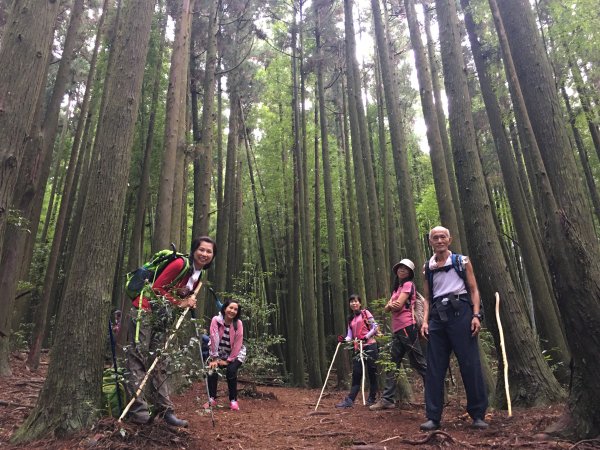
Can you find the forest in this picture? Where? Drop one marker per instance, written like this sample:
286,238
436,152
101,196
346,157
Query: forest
317,142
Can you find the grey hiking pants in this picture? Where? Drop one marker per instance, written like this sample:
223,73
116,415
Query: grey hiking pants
139,359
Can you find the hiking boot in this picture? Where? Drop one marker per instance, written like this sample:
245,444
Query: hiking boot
172,419
210,403
233,405
371,401
430,425
479,424
346,403
139,418
382,404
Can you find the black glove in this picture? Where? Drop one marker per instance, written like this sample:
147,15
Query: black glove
341,338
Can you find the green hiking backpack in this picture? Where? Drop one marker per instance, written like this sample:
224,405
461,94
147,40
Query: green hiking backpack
136,280
114,399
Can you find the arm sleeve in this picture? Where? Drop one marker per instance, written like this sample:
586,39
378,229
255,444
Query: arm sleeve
214,338
372,325
237,343
166,277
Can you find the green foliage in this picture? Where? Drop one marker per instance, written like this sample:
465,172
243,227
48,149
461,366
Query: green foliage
19,340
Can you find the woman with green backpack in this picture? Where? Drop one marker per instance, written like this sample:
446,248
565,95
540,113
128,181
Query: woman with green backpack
147,333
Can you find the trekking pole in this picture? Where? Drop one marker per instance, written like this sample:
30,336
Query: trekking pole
504,359
328,372
212,415
151,368
114,358
362,363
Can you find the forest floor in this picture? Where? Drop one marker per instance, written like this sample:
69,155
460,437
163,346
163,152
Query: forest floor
284,418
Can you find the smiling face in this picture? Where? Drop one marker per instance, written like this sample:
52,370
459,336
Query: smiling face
403,272
440,240
354,303
203,255
231,312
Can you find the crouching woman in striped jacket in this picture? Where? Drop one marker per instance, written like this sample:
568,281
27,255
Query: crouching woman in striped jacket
227,351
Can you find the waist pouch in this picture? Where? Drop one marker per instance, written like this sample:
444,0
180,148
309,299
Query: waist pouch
448,304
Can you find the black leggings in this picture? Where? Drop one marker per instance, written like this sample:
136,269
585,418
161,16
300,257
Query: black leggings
231,371
371,353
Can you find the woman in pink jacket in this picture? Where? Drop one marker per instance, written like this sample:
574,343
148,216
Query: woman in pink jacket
227,350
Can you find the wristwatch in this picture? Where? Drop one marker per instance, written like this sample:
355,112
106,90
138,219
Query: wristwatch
478,315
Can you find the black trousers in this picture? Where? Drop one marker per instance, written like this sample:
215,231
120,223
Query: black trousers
231,371
371,352
445,337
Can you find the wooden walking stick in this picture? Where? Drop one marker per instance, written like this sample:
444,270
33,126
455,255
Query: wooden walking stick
362,363
151,368
328,372
504,360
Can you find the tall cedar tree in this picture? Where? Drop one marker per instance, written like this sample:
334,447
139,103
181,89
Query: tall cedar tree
177,79
532,381
70,398
23,58
574,254
546,312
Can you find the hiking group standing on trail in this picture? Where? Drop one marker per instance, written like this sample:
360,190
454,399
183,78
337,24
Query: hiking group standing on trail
450,321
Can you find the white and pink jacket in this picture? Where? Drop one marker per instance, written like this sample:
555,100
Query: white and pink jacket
236,339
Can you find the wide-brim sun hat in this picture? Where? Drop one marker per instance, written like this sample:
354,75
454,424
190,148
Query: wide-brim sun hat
404,262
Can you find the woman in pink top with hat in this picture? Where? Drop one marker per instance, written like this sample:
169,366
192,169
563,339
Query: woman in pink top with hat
406,336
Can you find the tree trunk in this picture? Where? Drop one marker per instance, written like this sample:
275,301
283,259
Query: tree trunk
574,258
582,152
135,255
436,150
532,382
335,276
441,115
23,57
203,157
70,397
546,312
177,77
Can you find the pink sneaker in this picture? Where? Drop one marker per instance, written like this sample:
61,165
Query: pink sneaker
234,405
211,402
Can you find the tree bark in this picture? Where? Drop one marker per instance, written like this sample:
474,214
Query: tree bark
335,276
574,257
532,382
136,241
203,157
436,150
177,77
23,57
546,312
70,397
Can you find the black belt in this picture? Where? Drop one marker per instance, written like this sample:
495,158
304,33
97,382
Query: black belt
463,297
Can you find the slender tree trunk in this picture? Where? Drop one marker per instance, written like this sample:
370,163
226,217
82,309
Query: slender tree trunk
582,152
436,149
177,77
531,379
441,115
203,157
335,276
70,397
136,241
307,296
358,151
